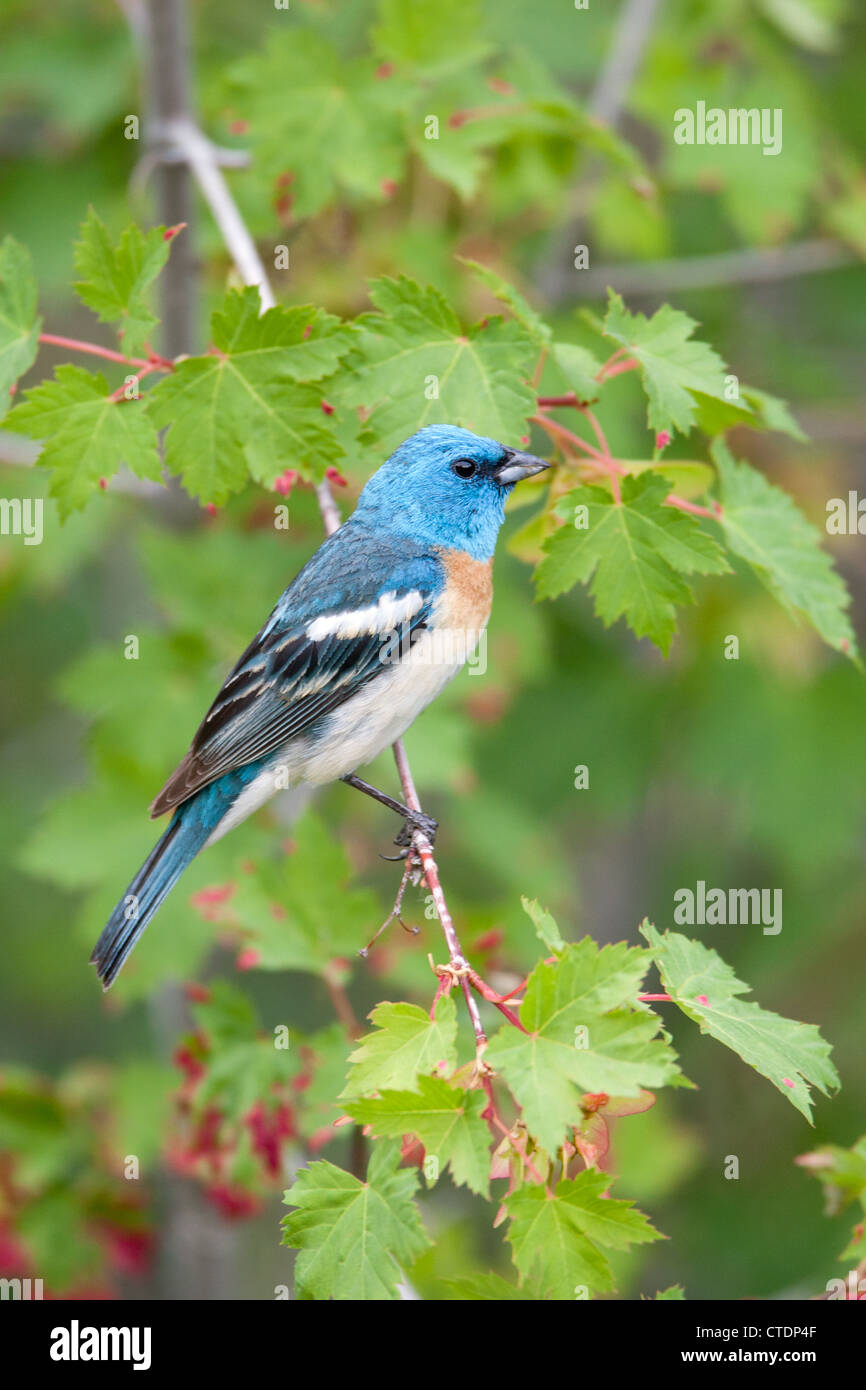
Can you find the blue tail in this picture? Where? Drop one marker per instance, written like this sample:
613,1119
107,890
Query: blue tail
147,892
192,825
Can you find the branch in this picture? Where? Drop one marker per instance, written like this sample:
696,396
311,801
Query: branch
457,961
79,345
629,41
605,104
750,267
160,30
181,139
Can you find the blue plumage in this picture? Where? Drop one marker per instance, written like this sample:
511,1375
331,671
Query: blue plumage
350,654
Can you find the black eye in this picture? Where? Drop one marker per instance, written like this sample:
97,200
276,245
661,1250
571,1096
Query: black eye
465,468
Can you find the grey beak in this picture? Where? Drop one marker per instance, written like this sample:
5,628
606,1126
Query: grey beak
517,466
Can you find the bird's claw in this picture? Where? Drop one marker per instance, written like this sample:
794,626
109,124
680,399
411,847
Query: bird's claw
416,821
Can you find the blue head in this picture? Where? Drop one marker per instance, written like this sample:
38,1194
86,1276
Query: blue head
446,486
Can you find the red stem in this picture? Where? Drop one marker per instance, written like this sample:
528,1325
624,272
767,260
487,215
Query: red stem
96,350
554,427
493,998
552,402
431,873
714,512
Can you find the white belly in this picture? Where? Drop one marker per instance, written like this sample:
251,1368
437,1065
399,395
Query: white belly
358,731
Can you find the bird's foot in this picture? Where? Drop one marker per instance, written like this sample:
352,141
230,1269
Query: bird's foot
416,820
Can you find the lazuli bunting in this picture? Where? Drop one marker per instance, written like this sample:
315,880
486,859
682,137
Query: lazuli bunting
371,630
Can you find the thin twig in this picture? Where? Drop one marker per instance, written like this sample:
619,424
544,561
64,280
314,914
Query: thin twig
630,37
457,960
96,350
756,265
182,137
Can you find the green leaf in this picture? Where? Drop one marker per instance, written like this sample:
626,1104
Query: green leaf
841,1173
773,413
242,410
675,1294
477,1288
637,552
407,1044
792,1055
19,322
319,124
555,1238
672,364
354,1238
763,525
446,1120
756,409
115,278
613,1223
568,366
545,927
549,1246
430,36
582,1036
298,910
416,347
687,478
86,435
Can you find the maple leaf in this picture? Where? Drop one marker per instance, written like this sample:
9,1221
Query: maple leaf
115,277
446,1120
243,409
555,1237
635,553
763,525
321,122
354,1239
87,435
583,1036
415,365
407,1044
673,365
792,1055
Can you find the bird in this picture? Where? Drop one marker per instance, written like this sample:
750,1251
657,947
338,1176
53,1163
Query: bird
366,635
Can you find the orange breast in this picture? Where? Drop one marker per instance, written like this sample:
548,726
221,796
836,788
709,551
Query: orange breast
468,593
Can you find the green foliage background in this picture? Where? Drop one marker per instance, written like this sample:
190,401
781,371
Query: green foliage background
738,773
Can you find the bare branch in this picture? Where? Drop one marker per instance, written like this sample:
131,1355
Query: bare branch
606,103
630,38
181,137
747,267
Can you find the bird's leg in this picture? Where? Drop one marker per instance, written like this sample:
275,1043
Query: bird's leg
412,820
